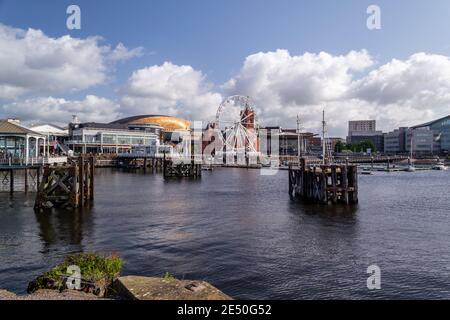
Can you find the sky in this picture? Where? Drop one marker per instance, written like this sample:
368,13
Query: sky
183,58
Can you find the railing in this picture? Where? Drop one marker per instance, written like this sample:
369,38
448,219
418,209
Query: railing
32,161
139,155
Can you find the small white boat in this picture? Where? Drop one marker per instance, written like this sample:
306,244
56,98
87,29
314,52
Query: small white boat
411,168
440,166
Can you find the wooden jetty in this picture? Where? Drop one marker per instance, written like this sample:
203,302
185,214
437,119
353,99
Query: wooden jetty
174,169
141,162
20,178
324,183
67,186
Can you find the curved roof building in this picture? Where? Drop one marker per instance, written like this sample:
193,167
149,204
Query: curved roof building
168,123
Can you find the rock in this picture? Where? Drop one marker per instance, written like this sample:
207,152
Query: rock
45,294
6,295
145,288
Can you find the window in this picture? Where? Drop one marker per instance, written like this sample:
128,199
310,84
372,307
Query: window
109,139
90,138
124,140
137,140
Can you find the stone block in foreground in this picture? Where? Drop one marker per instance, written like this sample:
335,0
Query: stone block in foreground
145,288
6,295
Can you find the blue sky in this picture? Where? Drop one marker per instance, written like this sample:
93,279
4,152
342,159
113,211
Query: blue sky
215,37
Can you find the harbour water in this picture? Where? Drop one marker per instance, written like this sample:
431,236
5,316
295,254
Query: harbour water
241,232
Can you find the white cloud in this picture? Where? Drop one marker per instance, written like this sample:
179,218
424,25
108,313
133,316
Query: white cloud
399,93
34,63
60,111
121,53
170,89
283,85
349,86
407,92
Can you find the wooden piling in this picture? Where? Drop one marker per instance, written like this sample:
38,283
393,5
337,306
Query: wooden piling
325,184
38,177
81,179
92,177
11,181
334,183
182,169
344,183
26,180
67,186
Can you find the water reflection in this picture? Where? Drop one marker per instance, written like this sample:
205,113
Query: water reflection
346,212
63,227
241,232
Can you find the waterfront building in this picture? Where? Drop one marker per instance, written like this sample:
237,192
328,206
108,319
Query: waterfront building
377,138
423,141
168,124
361,125
365,130
438,138
19,144
55,135
121,136
427,139
99,138
395,141
288,141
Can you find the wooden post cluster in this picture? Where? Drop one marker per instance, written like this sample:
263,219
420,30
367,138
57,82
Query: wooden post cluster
181,170
324,184
142,162
20,179
67,186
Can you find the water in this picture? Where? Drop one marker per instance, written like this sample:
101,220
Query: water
241,232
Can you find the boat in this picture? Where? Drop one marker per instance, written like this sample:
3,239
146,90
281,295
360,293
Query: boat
440,166
411,168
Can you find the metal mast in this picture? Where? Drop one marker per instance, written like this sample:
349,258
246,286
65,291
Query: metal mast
299,140
324,143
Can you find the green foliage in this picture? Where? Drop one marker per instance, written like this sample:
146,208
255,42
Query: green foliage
168,276
355,147
339,147
364,145
94,267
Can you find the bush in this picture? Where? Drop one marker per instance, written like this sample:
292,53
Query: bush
97,272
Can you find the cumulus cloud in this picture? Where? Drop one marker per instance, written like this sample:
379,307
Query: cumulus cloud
60,111
121,53
170,89
34,63
349,86
283,85
399,93
409,91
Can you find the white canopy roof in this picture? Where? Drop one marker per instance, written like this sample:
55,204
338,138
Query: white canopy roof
50,129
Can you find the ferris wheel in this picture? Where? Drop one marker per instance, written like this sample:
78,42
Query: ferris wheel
236,119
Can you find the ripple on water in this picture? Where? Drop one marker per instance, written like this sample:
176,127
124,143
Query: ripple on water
240,231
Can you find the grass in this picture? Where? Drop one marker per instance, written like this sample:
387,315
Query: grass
94,267
167,276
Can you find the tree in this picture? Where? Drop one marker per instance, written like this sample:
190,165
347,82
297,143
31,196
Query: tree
339,146
364,145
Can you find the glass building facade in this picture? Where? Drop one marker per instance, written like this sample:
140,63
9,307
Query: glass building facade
441,133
